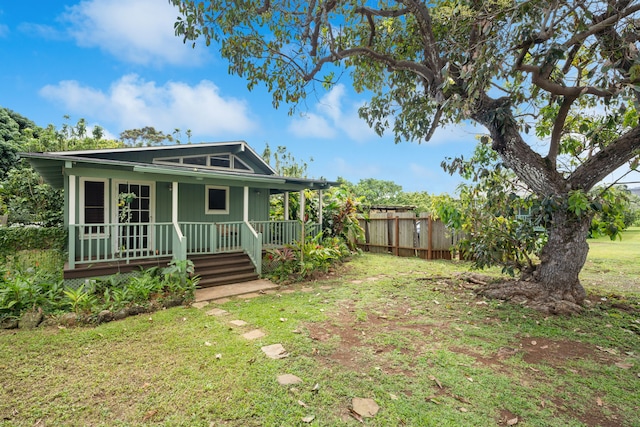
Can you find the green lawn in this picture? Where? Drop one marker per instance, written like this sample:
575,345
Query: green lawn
614,265
408,333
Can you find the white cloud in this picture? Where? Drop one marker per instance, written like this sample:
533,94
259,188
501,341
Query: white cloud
311,125
332,117
131,102
138,31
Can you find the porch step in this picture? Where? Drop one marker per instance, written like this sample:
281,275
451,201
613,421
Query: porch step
223,269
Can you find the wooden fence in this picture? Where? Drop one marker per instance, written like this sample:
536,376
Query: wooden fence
404,234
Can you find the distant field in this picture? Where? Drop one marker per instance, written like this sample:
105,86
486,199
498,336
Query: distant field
614,264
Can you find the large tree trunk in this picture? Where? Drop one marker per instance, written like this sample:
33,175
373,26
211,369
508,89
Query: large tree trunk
563,257
555,286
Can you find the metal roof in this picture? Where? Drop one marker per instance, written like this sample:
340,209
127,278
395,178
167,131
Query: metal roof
52,166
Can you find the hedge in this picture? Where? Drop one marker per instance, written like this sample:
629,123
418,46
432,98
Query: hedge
14,239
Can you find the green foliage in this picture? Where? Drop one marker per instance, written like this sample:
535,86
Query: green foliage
146,137
377,192
16,239
340,209
30,200
504,223
301,260
284,163
29,280
27,285
79,299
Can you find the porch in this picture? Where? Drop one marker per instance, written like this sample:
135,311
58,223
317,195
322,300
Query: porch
102,249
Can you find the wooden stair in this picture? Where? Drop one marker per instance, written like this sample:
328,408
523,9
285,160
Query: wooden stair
223,269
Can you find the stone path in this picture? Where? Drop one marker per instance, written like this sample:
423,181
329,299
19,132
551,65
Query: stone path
251,289
360,407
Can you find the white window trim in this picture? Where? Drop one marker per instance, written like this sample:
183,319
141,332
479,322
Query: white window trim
152,197
81,197
208,211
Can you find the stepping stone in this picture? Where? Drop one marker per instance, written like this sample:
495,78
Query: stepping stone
365,407
217,312
306,289
253,335
249,295
326,288
238,323
275,351
200,304
356,282
288,379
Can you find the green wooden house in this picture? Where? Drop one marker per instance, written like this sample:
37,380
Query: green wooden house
135,207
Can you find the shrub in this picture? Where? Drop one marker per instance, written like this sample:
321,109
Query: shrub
296,262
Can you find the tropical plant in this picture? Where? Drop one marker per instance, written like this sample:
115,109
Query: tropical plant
79,299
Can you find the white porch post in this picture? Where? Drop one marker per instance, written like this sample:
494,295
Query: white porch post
320,207
286,206
245,213
302,202
72,221
174,202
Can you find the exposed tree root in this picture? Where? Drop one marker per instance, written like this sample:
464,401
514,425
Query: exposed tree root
531,294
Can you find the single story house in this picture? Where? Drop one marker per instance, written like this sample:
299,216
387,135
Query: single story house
133,207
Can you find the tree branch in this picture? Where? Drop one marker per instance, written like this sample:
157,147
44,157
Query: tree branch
605,161
558,127
419,69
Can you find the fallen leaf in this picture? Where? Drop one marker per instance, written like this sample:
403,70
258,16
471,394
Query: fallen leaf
207,343
607,350
434,379
461,399
598,401
308,419
316,387
149,415
624,365
512,421
356,416
393,396
534,342
463,409
218,356
145,385
470,379
301,403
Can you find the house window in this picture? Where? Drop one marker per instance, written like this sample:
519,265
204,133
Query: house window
93,205
216,200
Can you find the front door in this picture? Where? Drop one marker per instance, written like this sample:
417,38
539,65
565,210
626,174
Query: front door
134,217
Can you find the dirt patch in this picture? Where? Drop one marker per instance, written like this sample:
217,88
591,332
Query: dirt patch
556,353
355,345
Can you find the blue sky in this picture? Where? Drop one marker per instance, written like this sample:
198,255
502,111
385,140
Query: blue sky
118,64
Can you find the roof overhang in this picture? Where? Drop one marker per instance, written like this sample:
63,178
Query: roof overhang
54,166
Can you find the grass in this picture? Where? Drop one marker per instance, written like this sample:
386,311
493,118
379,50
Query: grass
614,265
408,333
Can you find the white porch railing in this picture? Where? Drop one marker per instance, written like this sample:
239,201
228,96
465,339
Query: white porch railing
91,243
279,233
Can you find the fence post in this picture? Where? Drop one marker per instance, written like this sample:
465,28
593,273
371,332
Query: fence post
397,240
430,238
